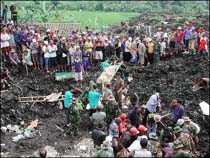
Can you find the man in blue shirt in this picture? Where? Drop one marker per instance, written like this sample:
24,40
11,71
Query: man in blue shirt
178,110
153,105
93,98
187,37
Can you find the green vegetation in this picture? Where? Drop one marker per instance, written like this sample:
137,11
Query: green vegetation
96,19
100,13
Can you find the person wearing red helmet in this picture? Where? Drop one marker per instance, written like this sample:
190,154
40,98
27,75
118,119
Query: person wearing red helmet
123,124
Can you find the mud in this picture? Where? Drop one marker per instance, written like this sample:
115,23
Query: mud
173,78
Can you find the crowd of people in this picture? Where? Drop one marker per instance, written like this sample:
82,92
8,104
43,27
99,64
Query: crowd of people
136,133
50,52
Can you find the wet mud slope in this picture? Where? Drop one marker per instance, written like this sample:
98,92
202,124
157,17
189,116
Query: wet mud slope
173,78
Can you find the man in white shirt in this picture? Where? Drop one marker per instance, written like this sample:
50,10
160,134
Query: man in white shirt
143,152
52,48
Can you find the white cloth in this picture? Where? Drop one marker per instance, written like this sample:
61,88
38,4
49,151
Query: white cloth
142,153
4,40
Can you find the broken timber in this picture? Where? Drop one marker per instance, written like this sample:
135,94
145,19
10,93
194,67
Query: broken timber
50,98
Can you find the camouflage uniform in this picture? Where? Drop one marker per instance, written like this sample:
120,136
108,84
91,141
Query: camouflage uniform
187,141
74,117
182,153
155,148
111,112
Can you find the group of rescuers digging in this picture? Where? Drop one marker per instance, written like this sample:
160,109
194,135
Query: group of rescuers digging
136,131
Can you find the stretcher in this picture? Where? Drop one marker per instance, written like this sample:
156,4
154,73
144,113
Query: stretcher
108,74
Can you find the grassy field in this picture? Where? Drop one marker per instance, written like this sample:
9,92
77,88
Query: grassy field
93,19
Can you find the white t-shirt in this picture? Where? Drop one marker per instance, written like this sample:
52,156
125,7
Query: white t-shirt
136,144
128,44
4,37
142,153
52,51
46,52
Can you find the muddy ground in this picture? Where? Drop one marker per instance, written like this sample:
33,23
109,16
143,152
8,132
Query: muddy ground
179,71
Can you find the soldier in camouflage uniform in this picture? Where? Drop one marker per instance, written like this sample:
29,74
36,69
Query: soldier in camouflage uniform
154,146
157,52
106,150
185,139
74,119
179,151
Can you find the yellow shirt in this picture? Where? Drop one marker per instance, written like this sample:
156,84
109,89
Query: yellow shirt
89,44
150,47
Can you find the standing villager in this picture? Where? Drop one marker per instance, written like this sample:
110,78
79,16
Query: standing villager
141,52
35,53
118,87
52,48
118,47
127,53
5,43
150,51
78,69
89,48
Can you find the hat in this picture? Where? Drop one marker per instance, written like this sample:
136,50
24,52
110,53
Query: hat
77,46
46,42
134,131
117,37
89,38
106,144
130,38
48,30
153,136
180,122
179,28
142,128
33,40
123,116
187,119
177,129
151,115
109,41
159,28
177,144
157,118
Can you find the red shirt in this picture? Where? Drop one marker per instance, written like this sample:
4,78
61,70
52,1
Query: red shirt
203,43
122,126
179,36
